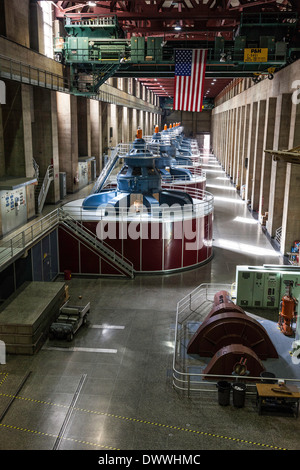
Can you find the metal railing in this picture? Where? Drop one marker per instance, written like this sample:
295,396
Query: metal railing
44,187
112,255
26,73
278,235
108,168
203,204
17,244
187,374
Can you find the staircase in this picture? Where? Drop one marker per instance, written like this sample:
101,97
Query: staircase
110,164
42,189
112,256
278,235
107,71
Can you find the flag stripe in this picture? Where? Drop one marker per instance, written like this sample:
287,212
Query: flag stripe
190,68
195,78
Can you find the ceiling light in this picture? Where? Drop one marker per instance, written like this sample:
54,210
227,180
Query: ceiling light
177,27
92,4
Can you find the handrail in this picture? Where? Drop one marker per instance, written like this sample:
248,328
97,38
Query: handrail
278,235
26,73
18,243
193,308
44,187
115,256
203,204
109,166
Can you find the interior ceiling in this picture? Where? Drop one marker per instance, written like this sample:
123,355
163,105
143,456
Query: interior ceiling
199,20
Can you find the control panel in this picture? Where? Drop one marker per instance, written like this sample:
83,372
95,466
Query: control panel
13,209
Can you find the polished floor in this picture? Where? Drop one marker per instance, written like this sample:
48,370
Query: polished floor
111,388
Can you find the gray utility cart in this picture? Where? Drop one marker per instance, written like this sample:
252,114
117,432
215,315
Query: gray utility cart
70,319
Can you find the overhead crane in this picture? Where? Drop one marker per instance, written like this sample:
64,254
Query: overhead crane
95,48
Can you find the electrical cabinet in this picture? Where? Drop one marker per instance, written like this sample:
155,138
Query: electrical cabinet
272,282
154,48
239,46
244,286
137,49
13,209
257,287
268,42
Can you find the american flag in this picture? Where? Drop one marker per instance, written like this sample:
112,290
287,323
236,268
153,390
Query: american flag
190,67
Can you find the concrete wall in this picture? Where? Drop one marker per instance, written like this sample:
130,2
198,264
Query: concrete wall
194,123
264,116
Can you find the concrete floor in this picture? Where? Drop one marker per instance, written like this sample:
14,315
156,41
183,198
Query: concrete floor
119,395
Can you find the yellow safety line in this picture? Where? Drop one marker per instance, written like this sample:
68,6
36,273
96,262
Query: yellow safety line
4,378
40,433
166,426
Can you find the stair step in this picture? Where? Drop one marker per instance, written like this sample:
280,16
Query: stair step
105,251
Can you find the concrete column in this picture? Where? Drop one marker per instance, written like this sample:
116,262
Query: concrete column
258,155
266,158
147,130
291,208
125,125
236,125
294,140
45,137
120,124
96,133
291,204
244,158
134,124
228,142
68,138
2,154
278,170
129,116
84,127
251,147
140,120
240,147
27,133
17,118
221,138
113,125
104,132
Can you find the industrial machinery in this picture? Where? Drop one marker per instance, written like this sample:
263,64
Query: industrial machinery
236,342
170,147
288,310
138,183
154,215
70,319
95,48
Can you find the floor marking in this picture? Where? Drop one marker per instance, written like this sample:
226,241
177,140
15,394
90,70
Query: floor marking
152,423
108,327
5,374
96,350
40,433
